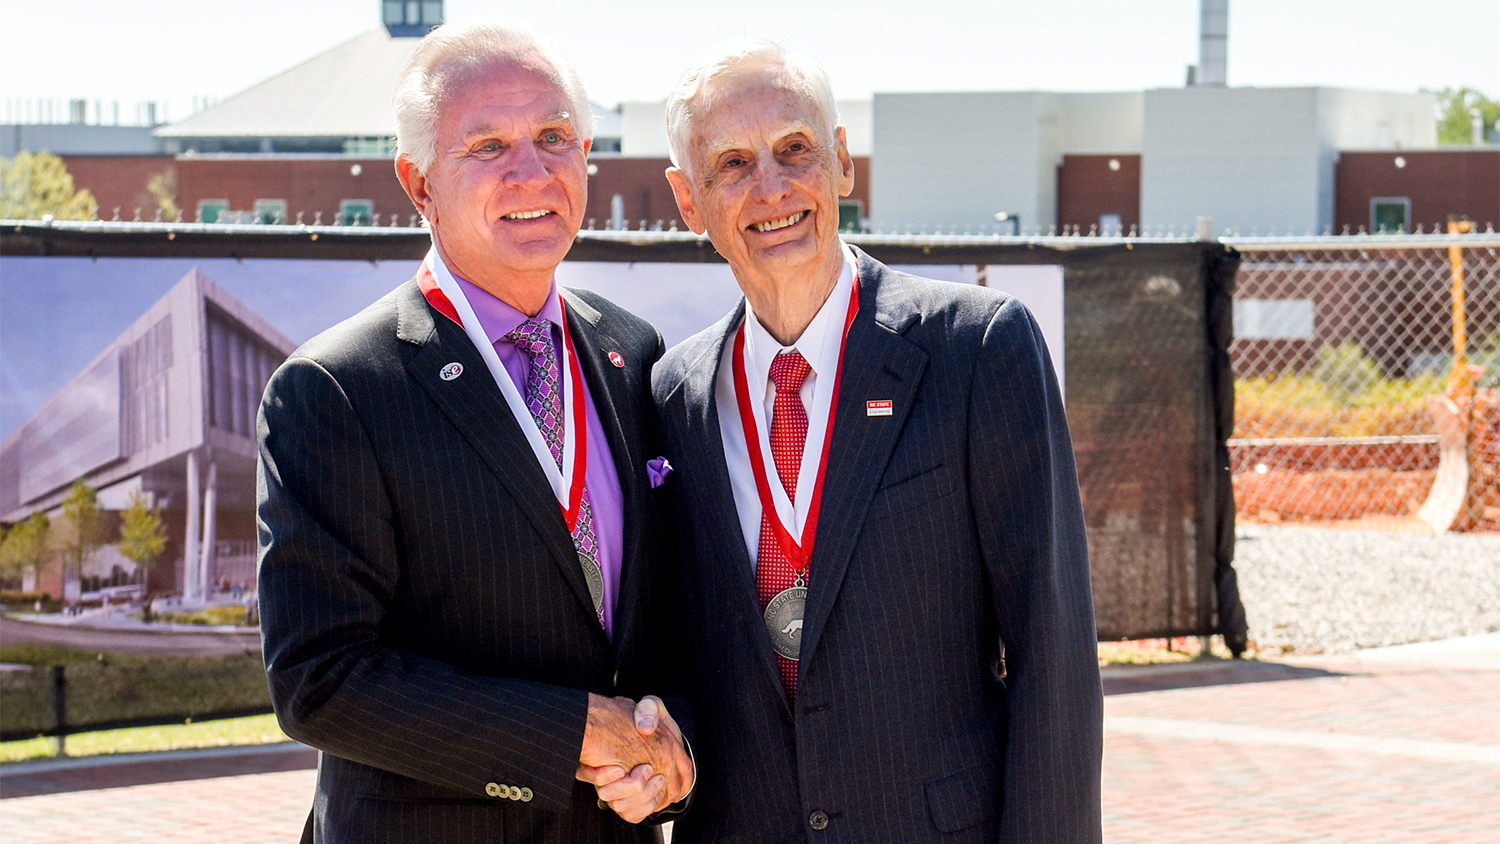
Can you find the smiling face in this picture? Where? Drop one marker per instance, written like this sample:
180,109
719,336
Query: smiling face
506,194
763,178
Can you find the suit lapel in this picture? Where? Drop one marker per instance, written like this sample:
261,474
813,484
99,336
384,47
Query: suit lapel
473,404
878,364
729,579
610,390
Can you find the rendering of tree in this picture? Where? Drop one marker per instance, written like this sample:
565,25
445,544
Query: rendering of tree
36,184
1456,119
143,535
25,546
82,530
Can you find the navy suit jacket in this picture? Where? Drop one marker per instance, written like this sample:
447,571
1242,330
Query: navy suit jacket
426,623
947,528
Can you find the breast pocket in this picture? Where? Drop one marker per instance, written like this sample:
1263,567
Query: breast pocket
913,491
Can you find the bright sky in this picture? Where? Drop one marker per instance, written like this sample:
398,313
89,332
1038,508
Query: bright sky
174,51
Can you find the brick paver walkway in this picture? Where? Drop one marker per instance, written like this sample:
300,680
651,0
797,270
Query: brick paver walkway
1366,750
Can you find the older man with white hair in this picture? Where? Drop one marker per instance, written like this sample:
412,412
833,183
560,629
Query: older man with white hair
456,510
883,570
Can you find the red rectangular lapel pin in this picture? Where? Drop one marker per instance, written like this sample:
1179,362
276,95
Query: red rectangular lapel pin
878,407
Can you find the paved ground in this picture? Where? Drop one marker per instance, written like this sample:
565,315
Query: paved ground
1396,745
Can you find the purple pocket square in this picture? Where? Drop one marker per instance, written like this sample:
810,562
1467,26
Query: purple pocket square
657,470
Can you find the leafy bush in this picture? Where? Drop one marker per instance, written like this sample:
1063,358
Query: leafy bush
1345,371
26,601
111,690
231,615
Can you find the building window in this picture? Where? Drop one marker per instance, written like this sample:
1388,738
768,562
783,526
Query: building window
270,212
1273,319
1390,214
850,213
356,212
370,147
211,210
239,365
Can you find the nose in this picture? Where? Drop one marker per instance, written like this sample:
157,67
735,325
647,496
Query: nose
771,183
526,168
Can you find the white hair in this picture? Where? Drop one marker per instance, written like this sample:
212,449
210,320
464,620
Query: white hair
444,57
696,92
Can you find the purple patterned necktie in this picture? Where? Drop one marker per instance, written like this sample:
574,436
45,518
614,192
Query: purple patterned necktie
544,400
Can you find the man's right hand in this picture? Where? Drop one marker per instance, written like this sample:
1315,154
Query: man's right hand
634,755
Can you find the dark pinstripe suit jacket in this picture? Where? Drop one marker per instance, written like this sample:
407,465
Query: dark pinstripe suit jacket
947,527
426,622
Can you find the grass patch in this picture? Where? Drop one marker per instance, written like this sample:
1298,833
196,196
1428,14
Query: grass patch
40,654
229,732
1163,651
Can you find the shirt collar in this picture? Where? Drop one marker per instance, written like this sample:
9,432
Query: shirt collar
496,317
820,343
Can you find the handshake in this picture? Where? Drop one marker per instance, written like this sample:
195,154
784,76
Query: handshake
634,756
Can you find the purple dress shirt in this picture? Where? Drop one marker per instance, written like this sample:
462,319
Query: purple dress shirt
602,481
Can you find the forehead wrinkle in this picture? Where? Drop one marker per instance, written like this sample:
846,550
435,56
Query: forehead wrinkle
712,151
491,128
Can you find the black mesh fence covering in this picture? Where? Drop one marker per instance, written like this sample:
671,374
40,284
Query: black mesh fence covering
1150,403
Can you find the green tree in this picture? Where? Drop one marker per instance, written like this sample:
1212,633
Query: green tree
163,188
82,530
36,184
143,536
25,546
1455,120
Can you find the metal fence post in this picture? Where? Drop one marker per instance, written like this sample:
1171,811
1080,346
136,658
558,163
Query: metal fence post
60,707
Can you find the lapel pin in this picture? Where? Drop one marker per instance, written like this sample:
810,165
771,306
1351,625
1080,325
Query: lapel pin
878,407
614,358
451,371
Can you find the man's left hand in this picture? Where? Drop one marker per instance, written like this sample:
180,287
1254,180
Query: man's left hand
634,796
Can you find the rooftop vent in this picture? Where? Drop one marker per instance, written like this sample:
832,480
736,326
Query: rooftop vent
410,18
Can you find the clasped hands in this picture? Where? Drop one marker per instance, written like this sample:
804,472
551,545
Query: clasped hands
634,756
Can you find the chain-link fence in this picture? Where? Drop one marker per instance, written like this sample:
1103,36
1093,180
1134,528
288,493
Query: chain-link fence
1351,404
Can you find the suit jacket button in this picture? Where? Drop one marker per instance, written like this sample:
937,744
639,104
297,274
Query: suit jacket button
526,795
818,820
493,789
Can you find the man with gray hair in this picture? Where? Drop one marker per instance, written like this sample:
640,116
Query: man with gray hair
457,540
883,570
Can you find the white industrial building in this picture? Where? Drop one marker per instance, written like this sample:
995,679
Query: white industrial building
1249,158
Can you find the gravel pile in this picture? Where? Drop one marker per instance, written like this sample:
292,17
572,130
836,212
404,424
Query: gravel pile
1310,590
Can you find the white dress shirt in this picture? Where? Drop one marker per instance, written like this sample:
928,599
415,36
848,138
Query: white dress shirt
821,344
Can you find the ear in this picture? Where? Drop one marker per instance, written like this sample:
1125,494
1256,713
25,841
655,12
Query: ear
682,190
415,185
846,162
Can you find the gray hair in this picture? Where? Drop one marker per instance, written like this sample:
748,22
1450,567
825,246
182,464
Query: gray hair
694,95
446,53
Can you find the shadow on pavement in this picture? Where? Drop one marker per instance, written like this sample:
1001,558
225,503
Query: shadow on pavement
1130,679
86,773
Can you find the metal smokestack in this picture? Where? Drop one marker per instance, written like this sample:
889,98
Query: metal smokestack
1213,43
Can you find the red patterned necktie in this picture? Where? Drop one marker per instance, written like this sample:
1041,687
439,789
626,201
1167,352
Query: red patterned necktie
544,400
773,571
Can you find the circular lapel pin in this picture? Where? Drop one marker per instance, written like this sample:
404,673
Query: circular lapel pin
451,371
614,358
